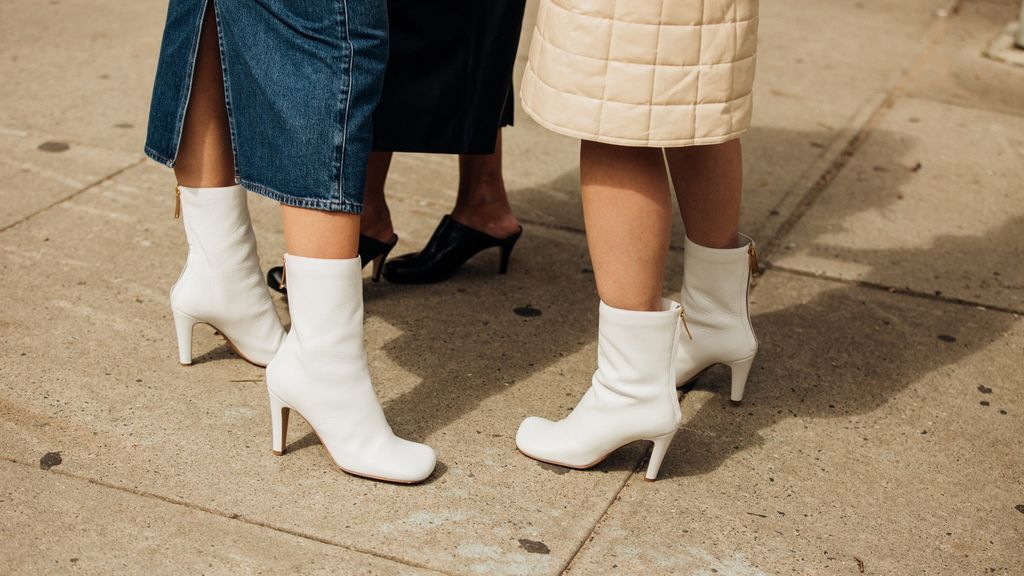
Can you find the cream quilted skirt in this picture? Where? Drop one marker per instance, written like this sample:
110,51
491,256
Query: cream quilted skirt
658,73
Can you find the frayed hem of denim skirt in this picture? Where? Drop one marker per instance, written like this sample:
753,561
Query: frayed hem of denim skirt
346,206
321,204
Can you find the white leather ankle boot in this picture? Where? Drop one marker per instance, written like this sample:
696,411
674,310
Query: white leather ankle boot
321,372
716,316
631,396
221,284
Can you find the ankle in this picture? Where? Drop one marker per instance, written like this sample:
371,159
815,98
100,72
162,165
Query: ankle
498,222
716,241
486,209
377,225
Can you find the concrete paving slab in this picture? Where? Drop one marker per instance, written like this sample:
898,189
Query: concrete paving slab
55,524
37,170
959,72
931,203
877,428
81,69
87,366
822,68
88,369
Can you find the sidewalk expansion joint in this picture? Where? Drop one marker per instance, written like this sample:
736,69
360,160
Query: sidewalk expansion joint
892,290
825,178
227,515
75,194
932,37
640,465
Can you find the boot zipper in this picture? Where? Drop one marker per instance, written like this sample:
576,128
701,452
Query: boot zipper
177,201
752,252
682,315
754,270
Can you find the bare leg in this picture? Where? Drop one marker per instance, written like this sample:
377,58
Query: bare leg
482,203
709,183
376,222
204,156
318,234
627,211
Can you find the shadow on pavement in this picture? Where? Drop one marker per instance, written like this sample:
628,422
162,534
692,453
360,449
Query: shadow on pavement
838,354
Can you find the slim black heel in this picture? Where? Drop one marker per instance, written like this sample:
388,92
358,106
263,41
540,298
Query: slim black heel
370,250
506,251
378,267
375,251
448,249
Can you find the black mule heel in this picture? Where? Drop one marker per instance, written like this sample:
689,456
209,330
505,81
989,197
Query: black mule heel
451,245
506,251
375,251
370,250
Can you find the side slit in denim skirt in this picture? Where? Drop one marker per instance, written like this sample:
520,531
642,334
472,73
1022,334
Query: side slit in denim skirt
301,82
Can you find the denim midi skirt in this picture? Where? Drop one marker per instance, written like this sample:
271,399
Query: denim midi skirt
301,82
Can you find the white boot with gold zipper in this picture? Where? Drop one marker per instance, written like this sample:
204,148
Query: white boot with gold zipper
716,315
631,396
221,283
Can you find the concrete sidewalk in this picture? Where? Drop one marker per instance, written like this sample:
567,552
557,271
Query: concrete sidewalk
883,424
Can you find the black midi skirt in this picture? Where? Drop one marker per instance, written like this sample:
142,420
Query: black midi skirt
448,85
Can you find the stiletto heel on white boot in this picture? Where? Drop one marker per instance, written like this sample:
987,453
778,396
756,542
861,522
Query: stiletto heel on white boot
279,413
320,371
740,370
183,326
716,314
632,395
221,284
658,451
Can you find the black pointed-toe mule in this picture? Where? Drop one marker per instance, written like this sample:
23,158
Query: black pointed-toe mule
448,249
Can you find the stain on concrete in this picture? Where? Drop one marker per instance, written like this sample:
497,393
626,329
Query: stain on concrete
534,546
527,311
553,468
49,460
124,125
1020,508
984,389
52,146
984,403
946,338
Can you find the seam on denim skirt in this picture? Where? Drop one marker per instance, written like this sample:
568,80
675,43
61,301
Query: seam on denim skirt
322,204
343,145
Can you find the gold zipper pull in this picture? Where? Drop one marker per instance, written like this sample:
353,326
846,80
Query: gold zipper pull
752,251
682,315
177,201
284,270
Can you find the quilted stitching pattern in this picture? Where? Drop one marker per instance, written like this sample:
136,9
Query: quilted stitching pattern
643,72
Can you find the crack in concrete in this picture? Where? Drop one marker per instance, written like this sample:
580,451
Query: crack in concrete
75,194
822,180
229,516
893,290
